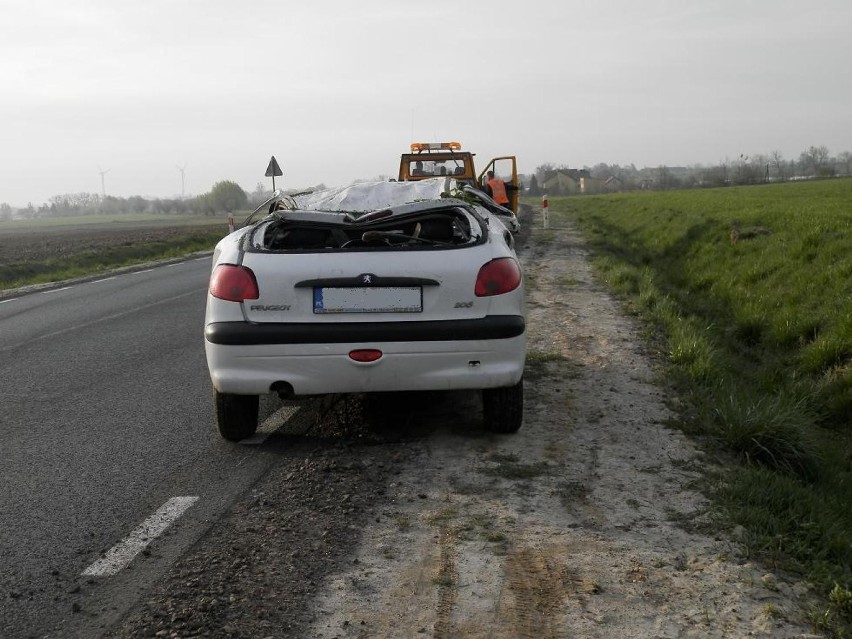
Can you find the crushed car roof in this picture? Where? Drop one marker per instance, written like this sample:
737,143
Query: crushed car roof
372,196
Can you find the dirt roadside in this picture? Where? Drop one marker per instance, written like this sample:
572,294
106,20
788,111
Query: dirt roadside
403,518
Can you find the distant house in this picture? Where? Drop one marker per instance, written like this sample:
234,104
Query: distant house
613,184
571,182
563,181
590,186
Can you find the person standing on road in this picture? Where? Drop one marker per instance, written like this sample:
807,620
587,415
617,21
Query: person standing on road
496,188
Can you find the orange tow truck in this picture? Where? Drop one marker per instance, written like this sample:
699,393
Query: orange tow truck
439,159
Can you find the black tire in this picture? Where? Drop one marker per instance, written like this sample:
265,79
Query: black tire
236,415
503,408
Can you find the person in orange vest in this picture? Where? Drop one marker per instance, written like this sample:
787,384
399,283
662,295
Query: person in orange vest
496,188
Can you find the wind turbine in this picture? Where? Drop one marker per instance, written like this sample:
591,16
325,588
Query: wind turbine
103,187
182,170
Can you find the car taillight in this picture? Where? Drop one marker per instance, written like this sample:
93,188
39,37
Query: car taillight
497,277
233,283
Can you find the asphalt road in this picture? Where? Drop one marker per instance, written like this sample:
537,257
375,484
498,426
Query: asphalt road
105,417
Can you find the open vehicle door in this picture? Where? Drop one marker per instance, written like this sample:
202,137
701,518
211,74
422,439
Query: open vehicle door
505,168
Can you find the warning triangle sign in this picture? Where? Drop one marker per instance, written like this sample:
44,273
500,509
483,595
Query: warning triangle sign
273,170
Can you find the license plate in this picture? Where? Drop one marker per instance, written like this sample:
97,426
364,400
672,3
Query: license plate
390,299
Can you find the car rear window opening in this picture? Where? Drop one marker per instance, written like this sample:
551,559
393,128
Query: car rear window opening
445,228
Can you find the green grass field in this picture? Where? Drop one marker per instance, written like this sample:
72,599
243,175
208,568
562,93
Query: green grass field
747,293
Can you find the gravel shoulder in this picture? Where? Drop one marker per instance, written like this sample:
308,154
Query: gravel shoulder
398,516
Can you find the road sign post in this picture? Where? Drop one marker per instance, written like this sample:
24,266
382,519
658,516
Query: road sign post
273,170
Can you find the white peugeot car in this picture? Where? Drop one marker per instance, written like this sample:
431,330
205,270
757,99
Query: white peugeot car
382,286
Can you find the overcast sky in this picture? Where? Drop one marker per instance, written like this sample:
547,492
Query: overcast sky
337,89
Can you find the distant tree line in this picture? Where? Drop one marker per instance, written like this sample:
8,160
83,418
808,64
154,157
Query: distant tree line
225,196
814,162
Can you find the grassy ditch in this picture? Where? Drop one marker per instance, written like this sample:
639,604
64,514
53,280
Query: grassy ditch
748,293
40,254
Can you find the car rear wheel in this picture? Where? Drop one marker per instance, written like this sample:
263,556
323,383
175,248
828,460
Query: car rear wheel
503,408
236,415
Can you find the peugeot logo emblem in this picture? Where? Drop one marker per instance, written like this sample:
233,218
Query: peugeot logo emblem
367,278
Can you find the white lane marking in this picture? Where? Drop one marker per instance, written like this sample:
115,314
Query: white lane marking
270,425
106,279
9,300
202,259
119,556
140,272
56,290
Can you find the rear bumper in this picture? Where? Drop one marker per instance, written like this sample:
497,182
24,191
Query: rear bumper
246,334
411,360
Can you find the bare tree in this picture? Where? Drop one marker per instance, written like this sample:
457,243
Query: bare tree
542,170
762,163
776,161
845,160
663,177
816,157
749,169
